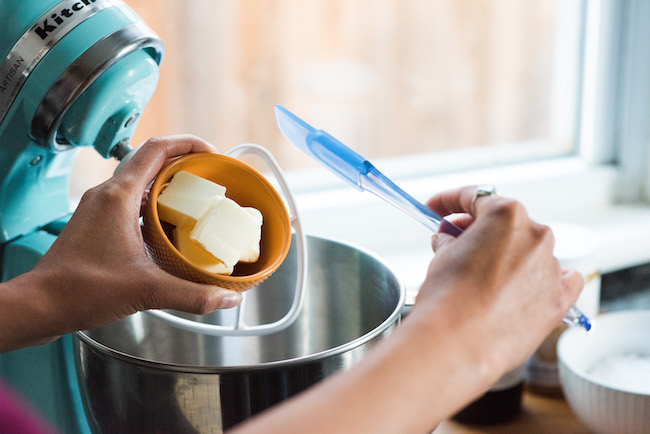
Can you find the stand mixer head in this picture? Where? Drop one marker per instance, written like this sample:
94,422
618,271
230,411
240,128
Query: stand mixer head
72,74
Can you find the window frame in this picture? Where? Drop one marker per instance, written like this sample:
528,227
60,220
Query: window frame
617,94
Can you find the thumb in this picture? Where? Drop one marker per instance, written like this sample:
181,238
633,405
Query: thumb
196,297
441,239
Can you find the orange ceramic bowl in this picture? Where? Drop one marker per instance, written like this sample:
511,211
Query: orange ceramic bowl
245,186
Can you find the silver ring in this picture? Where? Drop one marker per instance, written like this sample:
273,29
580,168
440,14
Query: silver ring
481,191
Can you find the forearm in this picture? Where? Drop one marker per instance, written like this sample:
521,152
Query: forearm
25,315
421,375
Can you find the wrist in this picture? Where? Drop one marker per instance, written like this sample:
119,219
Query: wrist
26,317
456,339
453,311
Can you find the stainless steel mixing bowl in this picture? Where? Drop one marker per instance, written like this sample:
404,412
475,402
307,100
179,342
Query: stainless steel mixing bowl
142,374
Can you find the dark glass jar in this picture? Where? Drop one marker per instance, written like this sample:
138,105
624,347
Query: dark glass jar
498,405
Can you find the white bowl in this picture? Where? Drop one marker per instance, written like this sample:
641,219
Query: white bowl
593,377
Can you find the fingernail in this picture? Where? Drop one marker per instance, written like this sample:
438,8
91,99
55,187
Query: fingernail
230,300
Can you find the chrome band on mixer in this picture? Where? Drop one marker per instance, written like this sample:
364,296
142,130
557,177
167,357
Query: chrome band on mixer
97,59
39,39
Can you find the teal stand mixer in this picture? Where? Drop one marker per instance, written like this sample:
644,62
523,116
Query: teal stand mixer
72,74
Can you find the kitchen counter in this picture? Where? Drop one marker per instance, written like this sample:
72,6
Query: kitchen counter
539,414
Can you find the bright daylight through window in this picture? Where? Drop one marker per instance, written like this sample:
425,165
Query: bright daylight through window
390,78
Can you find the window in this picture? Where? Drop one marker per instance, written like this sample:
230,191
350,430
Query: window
549,100
391,78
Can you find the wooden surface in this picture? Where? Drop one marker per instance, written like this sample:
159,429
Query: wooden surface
539,415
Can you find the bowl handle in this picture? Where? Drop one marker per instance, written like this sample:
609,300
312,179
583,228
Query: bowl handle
240,328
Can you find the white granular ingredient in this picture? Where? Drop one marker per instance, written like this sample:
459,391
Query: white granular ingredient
628,371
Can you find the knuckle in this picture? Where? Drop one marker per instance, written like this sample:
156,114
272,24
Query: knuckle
109,194
97,196
509,211
544,233
89,195
191,137
148,298
153,142
152,145
203,303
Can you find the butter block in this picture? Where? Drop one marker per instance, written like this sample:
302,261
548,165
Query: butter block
227,230
186,197
196,254
252,252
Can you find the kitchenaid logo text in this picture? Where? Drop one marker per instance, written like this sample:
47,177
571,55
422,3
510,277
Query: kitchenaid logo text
39,39
48,26
13,70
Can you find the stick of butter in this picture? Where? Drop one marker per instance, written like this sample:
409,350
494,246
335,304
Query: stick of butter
186,198
227,231
252,252
195,253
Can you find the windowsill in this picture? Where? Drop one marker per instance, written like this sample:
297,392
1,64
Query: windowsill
565,190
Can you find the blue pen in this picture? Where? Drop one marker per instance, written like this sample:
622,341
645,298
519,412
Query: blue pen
359,172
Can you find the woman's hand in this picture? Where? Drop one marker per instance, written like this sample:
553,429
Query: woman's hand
98,271
500,275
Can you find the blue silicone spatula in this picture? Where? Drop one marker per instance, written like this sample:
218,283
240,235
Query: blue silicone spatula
355,169
359,172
